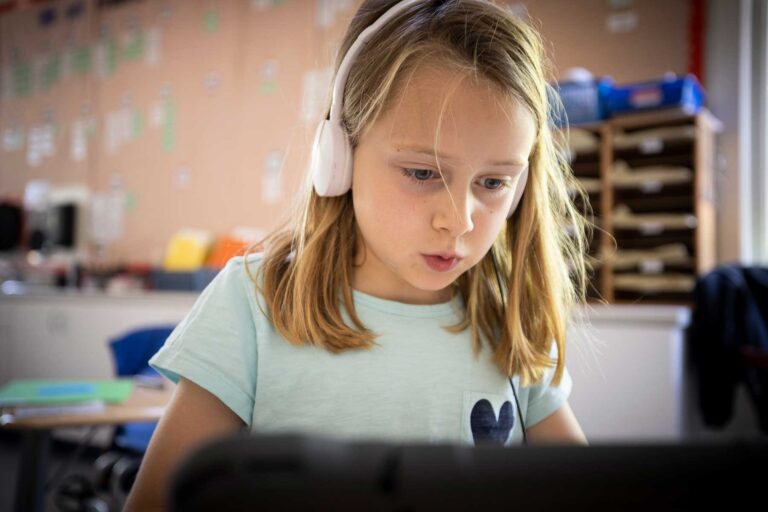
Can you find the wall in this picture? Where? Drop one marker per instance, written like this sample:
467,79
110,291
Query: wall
200,113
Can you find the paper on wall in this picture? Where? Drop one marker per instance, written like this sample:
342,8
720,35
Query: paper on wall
13,138
621,22
156,114
261,5
326,11
315,92
183,177
6,82
271,183
152,55
78,150
106,218
34,146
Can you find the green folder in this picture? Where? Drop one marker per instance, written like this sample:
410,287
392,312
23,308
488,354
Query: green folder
52,392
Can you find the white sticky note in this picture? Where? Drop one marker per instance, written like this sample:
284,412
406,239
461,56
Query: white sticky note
325,13
112,135
183,177
34,156
261,5
212,81
156,114
126,124
101,59
315,90
106,219
269,70
47,140
13,139
272,181
621,22
153,41
78,149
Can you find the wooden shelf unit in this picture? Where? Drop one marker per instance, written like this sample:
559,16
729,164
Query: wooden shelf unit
695,151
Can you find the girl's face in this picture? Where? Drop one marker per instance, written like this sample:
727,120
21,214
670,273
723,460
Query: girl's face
404,209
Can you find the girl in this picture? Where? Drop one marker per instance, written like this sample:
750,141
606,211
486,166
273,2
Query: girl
421,289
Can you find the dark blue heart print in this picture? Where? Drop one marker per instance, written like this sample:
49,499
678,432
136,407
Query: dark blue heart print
485,428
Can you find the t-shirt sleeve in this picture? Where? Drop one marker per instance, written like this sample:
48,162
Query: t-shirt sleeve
214,346
544,398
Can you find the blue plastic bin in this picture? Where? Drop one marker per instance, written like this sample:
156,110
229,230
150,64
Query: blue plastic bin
183,281
672,91
584,102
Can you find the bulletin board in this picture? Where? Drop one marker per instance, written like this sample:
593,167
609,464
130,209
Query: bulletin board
200,113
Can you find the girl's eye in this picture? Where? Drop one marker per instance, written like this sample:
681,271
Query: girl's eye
421,176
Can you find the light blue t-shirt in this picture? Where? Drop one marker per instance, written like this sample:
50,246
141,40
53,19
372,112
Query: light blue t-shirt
419,384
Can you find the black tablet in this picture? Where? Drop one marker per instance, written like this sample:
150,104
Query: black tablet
294,472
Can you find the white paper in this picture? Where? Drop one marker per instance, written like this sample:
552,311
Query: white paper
78,150
112,135
316,85
269,70
654,266
153,42
106,216
101,61
183,177
621,22
261,5
272,181
13,139
156,114
649,146
325,13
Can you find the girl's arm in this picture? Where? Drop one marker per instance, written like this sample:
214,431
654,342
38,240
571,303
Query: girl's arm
559,427
193,416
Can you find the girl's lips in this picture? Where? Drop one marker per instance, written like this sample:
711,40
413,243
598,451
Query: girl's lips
440,264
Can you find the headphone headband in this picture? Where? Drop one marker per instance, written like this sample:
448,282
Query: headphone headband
331,161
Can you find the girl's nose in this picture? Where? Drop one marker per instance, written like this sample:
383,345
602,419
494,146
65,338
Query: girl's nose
454,213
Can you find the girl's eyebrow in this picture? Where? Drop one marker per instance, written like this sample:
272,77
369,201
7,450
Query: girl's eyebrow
448,158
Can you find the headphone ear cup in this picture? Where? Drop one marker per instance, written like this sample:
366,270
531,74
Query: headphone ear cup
519,189
331,165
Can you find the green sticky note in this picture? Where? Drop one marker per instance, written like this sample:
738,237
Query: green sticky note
268,88
130,201
137,123
134,49
22,78
111,56
211,21
169,127
82,59
50,73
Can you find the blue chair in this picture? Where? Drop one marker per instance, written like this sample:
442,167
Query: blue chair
115,470
131,353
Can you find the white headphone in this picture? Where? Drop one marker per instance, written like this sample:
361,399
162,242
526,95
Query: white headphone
331,165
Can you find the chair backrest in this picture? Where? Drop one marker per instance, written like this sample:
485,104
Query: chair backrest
131,353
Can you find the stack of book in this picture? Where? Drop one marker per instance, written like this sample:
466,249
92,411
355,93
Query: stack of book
29,398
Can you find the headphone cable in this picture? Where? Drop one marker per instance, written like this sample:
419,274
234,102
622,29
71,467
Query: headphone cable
504,304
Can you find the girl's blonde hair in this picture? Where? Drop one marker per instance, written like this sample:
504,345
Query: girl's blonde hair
307,262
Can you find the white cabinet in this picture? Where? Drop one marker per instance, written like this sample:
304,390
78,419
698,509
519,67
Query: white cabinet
63,335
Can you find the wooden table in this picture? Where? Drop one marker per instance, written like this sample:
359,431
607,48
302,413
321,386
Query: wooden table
143,405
